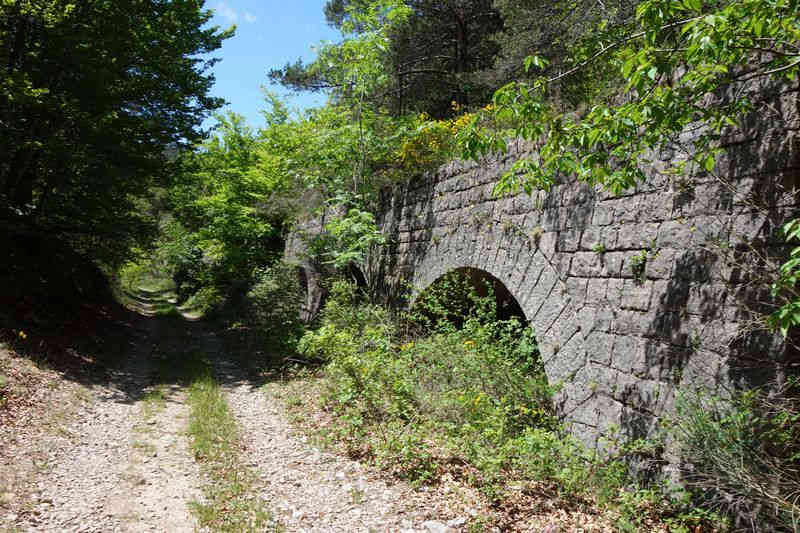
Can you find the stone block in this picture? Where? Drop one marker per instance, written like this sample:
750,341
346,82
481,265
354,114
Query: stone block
599,347
569,240
613,263
614,291
628,210
628,322
663,361
563,264
710,230
591,239
636,295
707,300
563,363
596,290
548,313
545,241
674,234
659,264
533,299
577,288
656,207
628,351
603,215
637,236
586,265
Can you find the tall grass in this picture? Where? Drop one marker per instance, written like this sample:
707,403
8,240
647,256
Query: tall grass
742,454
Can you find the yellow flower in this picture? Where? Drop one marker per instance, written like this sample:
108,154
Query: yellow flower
23,335
469,343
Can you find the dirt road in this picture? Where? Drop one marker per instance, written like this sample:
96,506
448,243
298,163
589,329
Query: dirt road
120,458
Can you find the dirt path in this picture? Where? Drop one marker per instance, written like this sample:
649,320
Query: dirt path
122,462
312,491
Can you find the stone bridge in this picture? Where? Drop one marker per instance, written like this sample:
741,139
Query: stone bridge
631,297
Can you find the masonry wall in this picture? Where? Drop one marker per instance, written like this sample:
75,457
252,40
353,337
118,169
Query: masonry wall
632,297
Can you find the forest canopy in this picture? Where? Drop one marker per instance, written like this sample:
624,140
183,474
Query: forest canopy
96,100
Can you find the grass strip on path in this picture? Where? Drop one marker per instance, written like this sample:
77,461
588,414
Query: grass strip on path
229,503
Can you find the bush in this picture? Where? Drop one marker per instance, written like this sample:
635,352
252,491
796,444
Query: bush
274,299
262,321
743,454
205,301
472,389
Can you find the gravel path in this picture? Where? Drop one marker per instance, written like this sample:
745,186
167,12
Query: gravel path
311,491
123,463
118,466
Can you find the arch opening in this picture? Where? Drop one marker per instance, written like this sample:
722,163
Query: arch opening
461,293
498,352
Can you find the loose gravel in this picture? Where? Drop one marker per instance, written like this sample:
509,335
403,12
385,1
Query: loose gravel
311,491
116,466
121,463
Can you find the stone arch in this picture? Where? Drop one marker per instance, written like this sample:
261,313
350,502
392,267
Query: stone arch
531,277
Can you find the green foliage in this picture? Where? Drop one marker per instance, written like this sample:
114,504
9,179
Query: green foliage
474,389
472,392
423,55
785,288
551,29
744,453
639,265
221,232
270,312
95,99
451,300
673,55
352,237
205,300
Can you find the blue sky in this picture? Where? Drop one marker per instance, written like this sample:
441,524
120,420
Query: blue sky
269,33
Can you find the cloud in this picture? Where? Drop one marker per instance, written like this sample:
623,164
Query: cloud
223,10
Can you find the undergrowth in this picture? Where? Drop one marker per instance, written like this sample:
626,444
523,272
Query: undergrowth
432,392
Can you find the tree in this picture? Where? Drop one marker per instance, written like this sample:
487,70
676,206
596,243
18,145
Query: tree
95,98
550,30
433,55
218,202
672,56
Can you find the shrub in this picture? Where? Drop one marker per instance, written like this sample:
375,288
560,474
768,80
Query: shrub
743,454
206,300
273,301
472,389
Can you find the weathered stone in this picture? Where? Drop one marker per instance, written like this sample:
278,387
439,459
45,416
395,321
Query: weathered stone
586,265
636,295
630,296
599,347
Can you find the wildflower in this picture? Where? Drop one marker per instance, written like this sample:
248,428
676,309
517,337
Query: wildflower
23,335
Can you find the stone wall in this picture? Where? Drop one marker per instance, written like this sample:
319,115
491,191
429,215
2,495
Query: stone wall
632,297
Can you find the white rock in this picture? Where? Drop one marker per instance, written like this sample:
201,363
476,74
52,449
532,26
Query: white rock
457,523
434,526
